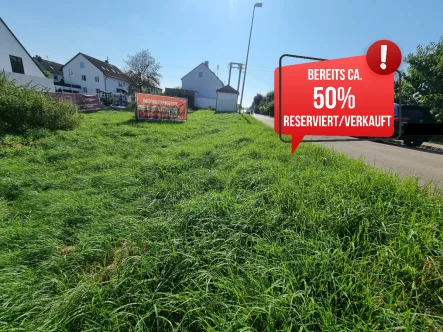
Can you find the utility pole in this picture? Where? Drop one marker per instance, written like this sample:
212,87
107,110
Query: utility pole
257,5
240,66
235,65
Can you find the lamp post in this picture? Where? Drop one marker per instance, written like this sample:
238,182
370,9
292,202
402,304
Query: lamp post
259,4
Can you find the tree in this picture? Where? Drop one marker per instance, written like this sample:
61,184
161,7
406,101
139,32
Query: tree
142,71
408,94
257,101
47,74
424,78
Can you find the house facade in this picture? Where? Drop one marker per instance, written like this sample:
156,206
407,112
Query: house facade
94,76
205,83
18,64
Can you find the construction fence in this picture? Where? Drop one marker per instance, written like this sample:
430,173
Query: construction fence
92,102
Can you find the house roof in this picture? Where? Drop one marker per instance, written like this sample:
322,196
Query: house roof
18,41
50,66
227,89
208,69
106,68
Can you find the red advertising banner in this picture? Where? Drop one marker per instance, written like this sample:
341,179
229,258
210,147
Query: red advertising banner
155,107
85,102
343,97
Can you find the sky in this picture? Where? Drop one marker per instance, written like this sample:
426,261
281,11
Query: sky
180,34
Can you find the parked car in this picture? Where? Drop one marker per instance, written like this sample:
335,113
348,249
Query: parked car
412,114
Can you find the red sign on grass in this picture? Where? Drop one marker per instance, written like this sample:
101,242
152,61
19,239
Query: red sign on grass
155,107
342,97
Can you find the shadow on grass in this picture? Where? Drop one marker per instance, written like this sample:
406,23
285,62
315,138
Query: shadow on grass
242,115
133,122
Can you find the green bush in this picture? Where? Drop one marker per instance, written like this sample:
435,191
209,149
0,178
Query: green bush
22,108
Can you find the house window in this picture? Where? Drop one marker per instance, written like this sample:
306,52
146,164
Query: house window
97,91
200,74
82,65
120,84
97,79
16,64
85,90
83,77
55,77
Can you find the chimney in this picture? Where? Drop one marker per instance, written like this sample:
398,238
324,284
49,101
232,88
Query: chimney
39,58
107,60
207,63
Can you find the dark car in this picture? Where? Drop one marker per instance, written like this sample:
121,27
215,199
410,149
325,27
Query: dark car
411,114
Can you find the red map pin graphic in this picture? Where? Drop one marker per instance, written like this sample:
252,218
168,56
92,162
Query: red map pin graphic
383,57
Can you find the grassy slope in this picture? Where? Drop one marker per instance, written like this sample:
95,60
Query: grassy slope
212,223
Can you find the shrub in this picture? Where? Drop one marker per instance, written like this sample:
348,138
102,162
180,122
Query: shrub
22,107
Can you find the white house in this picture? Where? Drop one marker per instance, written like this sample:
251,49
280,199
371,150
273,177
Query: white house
93,75
205,83
18,64
227,98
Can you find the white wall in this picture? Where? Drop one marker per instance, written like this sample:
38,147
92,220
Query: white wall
206,86
90,71
205,102
226,102
38,83
112,85
10,46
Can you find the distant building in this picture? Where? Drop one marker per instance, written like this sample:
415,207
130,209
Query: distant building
94,75
205,83
53,68
18,64
226,99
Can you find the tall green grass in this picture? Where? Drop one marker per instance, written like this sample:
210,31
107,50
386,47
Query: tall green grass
211,225
22,108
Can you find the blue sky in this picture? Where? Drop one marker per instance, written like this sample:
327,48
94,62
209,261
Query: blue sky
180,34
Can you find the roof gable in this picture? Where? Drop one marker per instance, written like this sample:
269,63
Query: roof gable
18,41
50,66
106,68
227,89
207,69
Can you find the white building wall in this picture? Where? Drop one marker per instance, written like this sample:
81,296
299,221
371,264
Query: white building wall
206,86
10,46
205,102
226,102
37,83
89,70
112,85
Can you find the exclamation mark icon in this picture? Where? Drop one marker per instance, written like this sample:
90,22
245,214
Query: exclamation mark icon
384,52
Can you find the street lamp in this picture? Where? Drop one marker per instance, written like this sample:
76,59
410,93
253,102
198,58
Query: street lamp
259,4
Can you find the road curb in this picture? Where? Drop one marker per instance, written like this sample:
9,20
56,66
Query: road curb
424,146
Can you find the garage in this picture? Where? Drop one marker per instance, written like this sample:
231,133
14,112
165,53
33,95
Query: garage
226,99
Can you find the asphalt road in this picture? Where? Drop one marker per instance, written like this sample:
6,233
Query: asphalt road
426,165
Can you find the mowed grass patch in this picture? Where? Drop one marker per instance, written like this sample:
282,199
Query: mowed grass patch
210,225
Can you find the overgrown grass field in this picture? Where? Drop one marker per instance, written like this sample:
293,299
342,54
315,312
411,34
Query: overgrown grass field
211,225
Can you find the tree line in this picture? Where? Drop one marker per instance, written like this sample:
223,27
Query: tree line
421,82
